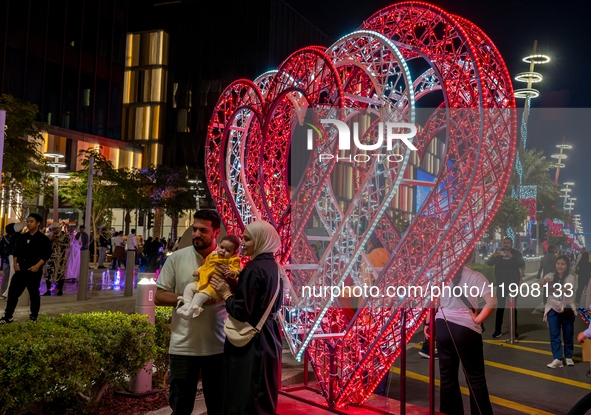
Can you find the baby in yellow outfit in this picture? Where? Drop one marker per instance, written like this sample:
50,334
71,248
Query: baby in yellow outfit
198,292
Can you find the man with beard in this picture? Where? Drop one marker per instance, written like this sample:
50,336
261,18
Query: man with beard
196,344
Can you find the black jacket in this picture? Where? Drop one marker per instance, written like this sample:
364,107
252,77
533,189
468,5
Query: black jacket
31,248
507,269
547,265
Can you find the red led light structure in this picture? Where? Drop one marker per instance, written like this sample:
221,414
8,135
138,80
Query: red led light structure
247,154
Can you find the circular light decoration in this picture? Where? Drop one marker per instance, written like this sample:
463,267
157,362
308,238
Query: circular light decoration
59,175
537,59
247,158
527,93
57,164
565,146
560,165
559,156
54,155
529,77
569,183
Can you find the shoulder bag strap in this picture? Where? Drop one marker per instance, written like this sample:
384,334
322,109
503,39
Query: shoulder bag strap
466,302
268,311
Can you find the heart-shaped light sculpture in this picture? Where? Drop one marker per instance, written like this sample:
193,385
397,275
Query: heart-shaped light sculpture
247,157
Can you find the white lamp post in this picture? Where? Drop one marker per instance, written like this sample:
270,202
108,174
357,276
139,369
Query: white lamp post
57,165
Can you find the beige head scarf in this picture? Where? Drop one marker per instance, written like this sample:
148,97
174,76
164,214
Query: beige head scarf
265,237
266,240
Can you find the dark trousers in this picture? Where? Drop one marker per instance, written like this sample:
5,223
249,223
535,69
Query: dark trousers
59,284
469,347
501,306
20,281
583,281
184,376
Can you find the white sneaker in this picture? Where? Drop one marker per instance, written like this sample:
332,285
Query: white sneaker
569,362
556,363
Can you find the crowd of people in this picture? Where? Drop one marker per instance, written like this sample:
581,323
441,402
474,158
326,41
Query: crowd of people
225,328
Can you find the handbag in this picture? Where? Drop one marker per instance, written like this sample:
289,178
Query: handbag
568,313
240,333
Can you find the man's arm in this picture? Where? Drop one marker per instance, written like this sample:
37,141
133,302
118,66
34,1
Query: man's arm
165,298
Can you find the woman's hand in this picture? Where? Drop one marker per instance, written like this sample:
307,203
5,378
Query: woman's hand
475,315
220,270
427,331
220,286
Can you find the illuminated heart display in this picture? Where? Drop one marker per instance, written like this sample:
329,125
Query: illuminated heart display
247,158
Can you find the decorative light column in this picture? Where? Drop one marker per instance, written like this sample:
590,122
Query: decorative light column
530,77
560,156
56,174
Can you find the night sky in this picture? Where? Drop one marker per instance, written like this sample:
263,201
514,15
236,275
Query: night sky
562,32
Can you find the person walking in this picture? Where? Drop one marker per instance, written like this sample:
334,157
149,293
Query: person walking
7,246
584,275
32,250
548,262
131,245
196,345
118,245
82,236
507,262
56,266
251,372
458,325
103,246
560,312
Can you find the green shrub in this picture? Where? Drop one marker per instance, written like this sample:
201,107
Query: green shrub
162,342
64,364
487,270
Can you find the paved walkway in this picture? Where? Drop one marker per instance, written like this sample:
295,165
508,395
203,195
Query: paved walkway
518,379
105,293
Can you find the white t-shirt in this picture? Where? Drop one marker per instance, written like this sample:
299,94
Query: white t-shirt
117,241
131,242
558,303
203,335
454,308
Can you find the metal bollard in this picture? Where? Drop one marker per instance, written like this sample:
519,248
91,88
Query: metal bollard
83,276
512,312
129,268
146,290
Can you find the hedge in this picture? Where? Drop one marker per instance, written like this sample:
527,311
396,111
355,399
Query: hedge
64,364
487,270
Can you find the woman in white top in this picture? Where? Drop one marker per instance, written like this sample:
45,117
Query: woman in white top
459,339
560,311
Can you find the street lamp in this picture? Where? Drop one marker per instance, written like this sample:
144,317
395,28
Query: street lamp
560,156
56,174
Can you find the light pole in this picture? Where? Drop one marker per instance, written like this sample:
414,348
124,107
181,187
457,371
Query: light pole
56,174
560,156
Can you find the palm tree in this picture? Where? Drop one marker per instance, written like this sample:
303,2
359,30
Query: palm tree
536,172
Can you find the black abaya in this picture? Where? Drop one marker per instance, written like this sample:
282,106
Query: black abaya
252,372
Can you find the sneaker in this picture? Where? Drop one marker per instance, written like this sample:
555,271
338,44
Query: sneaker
555,363
5,320
569,362
426,355
60,292
46,293
497,334
33,319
